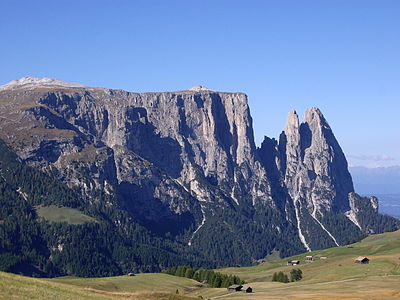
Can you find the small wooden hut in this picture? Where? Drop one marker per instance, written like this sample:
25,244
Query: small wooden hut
362,260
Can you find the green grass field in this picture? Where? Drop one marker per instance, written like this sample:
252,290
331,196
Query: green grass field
336,277
69,215
140,282
141,287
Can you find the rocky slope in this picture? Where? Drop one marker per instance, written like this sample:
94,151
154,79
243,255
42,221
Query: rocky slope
185,166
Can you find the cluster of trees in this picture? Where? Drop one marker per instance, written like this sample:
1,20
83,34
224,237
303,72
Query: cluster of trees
214,279
320,239
370,221
345,230
373,222
22,247
295,275
229,237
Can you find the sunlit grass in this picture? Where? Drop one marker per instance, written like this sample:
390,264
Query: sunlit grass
69,215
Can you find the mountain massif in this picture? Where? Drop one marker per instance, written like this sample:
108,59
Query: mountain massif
170,178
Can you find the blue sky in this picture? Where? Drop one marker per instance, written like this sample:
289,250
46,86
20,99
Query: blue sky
342,56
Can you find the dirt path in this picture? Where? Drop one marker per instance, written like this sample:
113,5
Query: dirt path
397,255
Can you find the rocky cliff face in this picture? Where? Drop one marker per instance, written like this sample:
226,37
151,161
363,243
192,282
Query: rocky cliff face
313,168
185,164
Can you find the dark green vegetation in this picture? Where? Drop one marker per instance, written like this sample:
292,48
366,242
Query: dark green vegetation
229,236
280,277
32,246
48,229
295,275
214,279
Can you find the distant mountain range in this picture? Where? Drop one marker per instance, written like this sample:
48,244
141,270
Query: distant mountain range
385,180
168,178
383,183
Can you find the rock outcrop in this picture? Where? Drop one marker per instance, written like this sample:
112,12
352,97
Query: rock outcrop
314,170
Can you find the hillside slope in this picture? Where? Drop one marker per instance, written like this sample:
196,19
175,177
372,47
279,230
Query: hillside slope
26,288
47,229
335,277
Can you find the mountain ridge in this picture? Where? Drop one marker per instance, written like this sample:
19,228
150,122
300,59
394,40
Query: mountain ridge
381,180
185,166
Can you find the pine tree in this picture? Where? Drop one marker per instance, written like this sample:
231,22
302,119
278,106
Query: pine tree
275,277
196,276
296,274
280,277
217,281
189,273
225,282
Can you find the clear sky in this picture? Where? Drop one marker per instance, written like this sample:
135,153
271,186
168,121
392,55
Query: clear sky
340,55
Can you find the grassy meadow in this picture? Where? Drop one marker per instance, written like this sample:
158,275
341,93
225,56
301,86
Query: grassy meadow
336,277
140,287
53,213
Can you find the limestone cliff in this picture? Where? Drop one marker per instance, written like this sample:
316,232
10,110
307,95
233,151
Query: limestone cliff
313,169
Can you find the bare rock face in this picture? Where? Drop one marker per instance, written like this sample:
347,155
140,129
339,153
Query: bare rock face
310,166
157,151
316,173
185,163
315,168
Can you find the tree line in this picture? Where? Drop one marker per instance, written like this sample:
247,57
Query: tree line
214,279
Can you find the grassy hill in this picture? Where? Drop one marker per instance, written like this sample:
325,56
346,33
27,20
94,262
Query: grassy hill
335,277
140,287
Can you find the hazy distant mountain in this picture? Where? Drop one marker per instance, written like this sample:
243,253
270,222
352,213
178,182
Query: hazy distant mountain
376,180
383,183
389,204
